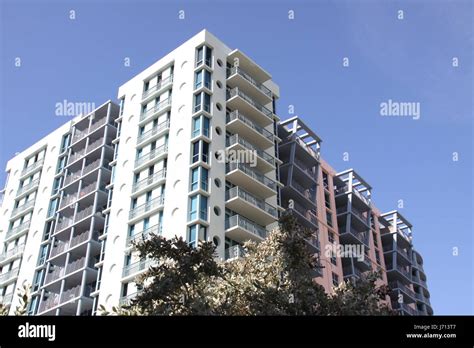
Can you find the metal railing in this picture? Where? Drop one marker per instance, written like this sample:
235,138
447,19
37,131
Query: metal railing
155,130
23,207
159,175
143,235
8,275
151,155
234,115
32,167
158,107
303,191
6,299
245,75
19,228
9,253
234,252
252,173
28,186
136,267
163,83
236,139
399,285
306,213
235,91
246,224
71,294
253,200
154,203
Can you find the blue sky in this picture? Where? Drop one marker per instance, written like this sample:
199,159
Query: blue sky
407,60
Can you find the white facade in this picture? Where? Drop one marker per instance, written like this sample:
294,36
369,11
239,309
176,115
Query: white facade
164,177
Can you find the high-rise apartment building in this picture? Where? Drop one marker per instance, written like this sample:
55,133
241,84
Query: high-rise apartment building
195,150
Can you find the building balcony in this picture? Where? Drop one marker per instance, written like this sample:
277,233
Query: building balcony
353,235
17,231
400,272
32,168
22,209
360,220
404,308
132,270
28,188
154,133
314,244
237,77
79,135
161,107
146,209
67,201
126,300
234,252
305,216
400,251
397,285
300,193
73,177
242,229
243,175
238,123
265,161
9,276
352,272
149,182
255,208
154,155
238,100
144,235
6,299
161,86
70,269
11,254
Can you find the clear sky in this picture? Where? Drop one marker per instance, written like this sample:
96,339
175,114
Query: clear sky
405,60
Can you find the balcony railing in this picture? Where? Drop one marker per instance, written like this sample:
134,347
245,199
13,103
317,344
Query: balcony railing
9,253
32,167
362,236
252,173
155,130
6,299
303,167
306,213
50,302
405,307
307,193
235,91
159,175
136,267
23,207
248,197
234,115
399,285
9,275
234,252
58,249
28,186
18,229
246,224
235,139
151,155
240,72
143,235
71,294
158,107
154,203
87,169
166,81
126,300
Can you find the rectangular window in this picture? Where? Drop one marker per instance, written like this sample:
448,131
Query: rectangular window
43,254
194,179
200,151
202,101
52,207
204,178
335,279
193,204
202,78
203,208
201,125
329,218
193,235
333,259
331,237
204,55
65,142
122,105
56,186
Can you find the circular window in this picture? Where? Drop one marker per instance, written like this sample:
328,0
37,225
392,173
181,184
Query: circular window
218,155
219,62
219,106
217,182
218,130
216,241
217,211
219,84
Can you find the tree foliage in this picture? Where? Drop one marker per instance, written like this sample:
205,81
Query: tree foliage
273,278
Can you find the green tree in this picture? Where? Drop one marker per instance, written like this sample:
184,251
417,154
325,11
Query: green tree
273,278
